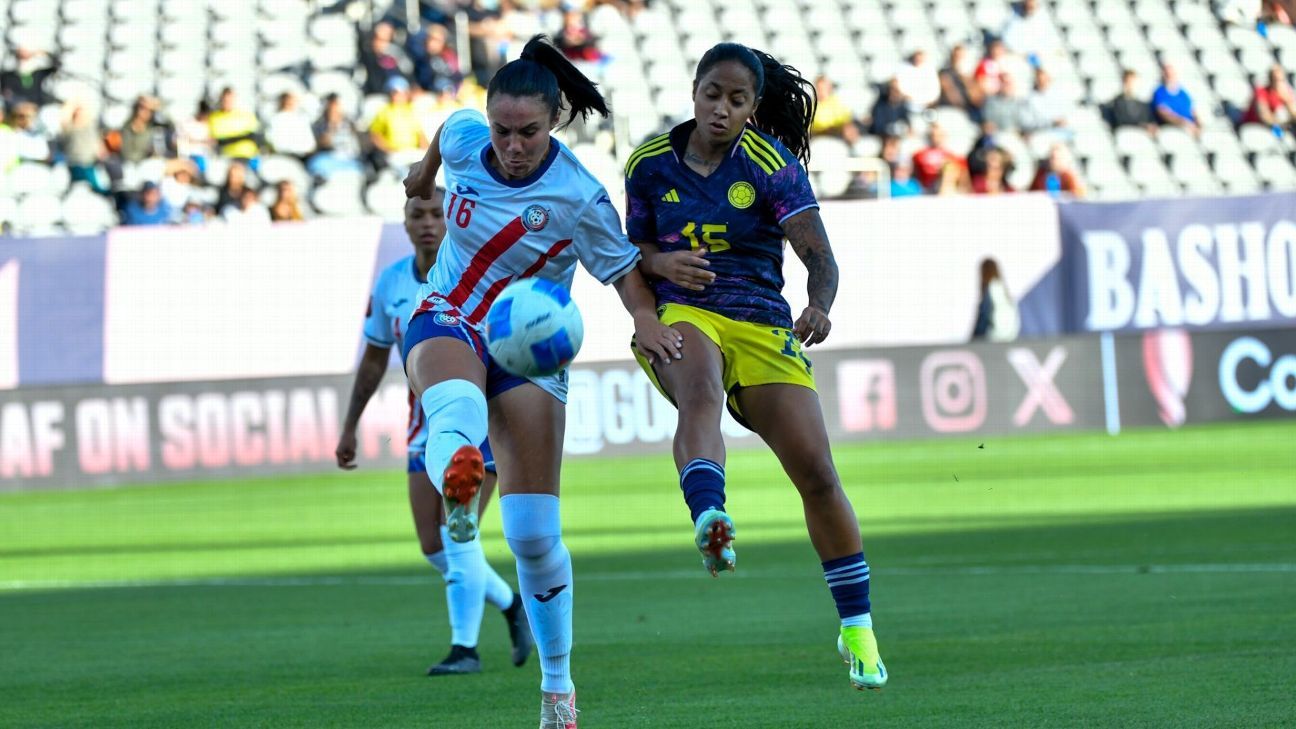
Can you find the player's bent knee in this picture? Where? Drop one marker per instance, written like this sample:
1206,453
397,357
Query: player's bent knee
459,405
531,526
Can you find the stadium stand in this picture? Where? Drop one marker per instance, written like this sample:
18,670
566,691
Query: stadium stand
104,55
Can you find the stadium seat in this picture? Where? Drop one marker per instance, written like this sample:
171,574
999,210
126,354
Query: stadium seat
385,197
38,215
1276,171
1257,138
86,212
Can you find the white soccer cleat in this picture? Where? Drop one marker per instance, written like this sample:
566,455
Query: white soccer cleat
557,711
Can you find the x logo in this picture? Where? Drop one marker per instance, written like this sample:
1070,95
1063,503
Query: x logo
1041,392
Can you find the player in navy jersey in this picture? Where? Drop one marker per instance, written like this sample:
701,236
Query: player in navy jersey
709,204
520,205
470,580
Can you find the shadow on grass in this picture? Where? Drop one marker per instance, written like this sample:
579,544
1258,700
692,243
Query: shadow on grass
1218,535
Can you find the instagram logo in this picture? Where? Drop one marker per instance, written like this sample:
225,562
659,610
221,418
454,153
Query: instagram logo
867,395
953,391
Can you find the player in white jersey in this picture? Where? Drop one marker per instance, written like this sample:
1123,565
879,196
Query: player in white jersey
520,204
470,580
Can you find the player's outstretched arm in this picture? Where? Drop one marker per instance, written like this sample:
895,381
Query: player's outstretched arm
656,341
687,268
805,231
373,364
421,180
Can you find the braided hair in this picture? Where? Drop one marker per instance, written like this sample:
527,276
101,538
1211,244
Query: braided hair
787,99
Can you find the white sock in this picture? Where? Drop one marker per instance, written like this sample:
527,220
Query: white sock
498,592
456,417
863,620
465,589
533,530
438,559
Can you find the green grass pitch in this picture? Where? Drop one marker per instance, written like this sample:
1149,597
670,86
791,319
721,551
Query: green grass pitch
1079,580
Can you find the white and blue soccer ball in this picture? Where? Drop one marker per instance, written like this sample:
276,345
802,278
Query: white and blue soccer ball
534,328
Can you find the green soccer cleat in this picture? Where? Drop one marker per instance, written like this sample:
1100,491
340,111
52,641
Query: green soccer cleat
858,648
461,489
714,535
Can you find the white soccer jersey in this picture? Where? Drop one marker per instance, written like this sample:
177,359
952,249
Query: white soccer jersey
395,294
502,230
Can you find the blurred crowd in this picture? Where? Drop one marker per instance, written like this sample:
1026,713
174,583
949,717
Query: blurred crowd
1007,88
205,164
163,166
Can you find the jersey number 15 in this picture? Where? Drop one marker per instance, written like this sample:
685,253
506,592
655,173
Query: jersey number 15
713,242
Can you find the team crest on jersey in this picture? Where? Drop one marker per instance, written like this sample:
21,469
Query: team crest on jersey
535,218
446,320
742,195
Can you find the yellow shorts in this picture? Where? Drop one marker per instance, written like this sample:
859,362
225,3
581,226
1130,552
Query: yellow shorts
754,354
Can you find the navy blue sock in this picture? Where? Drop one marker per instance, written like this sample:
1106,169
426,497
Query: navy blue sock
703,483
848,578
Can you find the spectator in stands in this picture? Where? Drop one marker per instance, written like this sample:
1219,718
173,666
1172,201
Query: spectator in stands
234,130
148,208
286,206
193,137
930,161
179,187
997,63
32,140
902,182
890,113
1172,104
395,133
959,87
992,177
143,135
247,208
1057,173
1029,33
82,145
289,129
337,141
575,39
1047,108
435,60
1282,12
952,180
918,81
486,38
1004,109
381,58
236,182
1273,104
997,318
521,19
29,76
1127,109
8,146
194,213
832,116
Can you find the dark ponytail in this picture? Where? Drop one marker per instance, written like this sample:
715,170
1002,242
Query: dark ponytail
788,99
544,71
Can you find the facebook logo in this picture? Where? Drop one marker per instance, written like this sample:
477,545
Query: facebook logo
866,394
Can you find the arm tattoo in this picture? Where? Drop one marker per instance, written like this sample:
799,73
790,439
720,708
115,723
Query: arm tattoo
805,231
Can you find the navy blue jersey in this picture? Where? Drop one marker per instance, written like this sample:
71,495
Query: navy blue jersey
736,213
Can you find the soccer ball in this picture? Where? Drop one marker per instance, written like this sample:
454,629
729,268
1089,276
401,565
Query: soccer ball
534,328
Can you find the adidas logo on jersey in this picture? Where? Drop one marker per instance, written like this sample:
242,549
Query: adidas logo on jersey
671,196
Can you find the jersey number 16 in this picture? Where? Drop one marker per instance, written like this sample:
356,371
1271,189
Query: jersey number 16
462,216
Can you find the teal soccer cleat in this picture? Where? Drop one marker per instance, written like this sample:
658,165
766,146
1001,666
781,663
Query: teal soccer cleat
714,535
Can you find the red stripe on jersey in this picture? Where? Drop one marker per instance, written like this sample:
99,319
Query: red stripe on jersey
482,261
409,426
545,258
488,299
